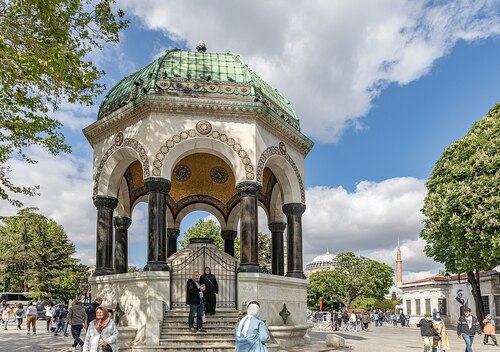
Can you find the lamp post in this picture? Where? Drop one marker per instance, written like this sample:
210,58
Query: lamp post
50,295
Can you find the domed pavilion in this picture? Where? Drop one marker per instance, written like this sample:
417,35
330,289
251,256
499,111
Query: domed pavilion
198,131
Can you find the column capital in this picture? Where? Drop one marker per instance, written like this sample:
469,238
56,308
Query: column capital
107,202
248,188
294,209
228,234
277,226
157,185
173,233
122,222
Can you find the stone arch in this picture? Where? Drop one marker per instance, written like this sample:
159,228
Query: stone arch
204,139
234,216
276,205
197,207
282,165
115,161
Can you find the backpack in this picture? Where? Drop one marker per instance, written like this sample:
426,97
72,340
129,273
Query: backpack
19,312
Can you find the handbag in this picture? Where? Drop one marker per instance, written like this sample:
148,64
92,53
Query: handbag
436,337
106,348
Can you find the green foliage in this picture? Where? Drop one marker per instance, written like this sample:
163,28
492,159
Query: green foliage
37,255
462,207
209,229
351,277
44,47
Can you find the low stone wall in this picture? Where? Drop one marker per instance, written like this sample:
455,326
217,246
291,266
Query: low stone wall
142,297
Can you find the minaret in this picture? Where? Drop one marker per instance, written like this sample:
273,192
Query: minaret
399,267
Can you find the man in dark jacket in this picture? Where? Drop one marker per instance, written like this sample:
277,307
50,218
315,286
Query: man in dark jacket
91,309
427,331
467,327
194,297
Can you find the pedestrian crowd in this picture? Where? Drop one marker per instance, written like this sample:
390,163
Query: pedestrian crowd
101,331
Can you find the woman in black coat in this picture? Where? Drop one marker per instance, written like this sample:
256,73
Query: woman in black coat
212,288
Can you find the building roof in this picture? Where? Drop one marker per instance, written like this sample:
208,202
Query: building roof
442,278
324,258
200,73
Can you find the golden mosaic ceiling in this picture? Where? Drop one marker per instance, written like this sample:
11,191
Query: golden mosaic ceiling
202,174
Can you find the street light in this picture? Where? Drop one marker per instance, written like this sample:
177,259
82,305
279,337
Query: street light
50,295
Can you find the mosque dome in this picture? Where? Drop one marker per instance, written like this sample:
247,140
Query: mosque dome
321,262
198,75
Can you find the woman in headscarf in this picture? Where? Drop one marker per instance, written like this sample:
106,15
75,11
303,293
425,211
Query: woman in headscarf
251,333
212,288
489,330
443,344
101,332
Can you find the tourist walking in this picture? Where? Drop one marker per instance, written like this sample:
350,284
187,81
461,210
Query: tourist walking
441,342
102,333
212,288
31,316
352,322
365,319
194,298
92,308
77,318
427,331
334,316
467,327
251,333
19,315
6,312
489,330
345,318
61,316
50,313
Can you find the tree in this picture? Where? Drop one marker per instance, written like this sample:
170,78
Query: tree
39,256
351,277
209,229
44,47
462,207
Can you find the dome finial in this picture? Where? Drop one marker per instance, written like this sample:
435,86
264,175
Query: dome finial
201,47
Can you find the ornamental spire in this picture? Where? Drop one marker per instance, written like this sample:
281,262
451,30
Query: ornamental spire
201,47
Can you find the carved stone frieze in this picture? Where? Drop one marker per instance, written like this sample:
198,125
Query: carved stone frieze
192,133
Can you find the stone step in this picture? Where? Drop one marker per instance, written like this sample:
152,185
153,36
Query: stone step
205,341
186,348
184,329
180,324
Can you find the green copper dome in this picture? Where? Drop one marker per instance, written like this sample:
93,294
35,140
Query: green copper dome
198,74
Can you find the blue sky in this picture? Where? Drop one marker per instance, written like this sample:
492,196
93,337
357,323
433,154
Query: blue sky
381,96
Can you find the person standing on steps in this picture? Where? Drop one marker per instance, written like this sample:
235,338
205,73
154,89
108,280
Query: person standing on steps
194,298
210,282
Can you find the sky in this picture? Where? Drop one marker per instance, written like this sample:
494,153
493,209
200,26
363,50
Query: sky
380,87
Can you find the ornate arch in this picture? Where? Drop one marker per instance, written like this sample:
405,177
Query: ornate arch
280,151
121,143
203,129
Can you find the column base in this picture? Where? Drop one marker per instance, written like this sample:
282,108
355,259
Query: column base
157,266
297,274
249,268
103,271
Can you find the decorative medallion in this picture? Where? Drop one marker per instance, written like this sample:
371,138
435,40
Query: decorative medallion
182,173
282,148
119,139
204,127
218,174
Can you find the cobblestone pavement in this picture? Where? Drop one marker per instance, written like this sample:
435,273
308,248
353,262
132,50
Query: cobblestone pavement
376,339
390,339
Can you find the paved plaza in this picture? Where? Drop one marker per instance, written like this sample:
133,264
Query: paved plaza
380,339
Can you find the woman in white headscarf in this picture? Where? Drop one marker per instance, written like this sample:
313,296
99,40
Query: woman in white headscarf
251,333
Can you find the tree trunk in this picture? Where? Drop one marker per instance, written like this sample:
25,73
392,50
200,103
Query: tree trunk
473,279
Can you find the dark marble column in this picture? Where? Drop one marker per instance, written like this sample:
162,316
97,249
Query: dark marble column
277,255
122,223
104,246
293,212
249,240
229,236
158,188
172,235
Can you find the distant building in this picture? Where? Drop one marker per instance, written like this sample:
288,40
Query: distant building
321,262
450,296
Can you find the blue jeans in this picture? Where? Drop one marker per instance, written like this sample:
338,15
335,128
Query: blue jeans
199,310
76,330
468,342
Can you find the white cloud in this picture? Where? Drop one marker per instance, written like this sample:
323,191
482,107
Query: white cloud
368,221
330,59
